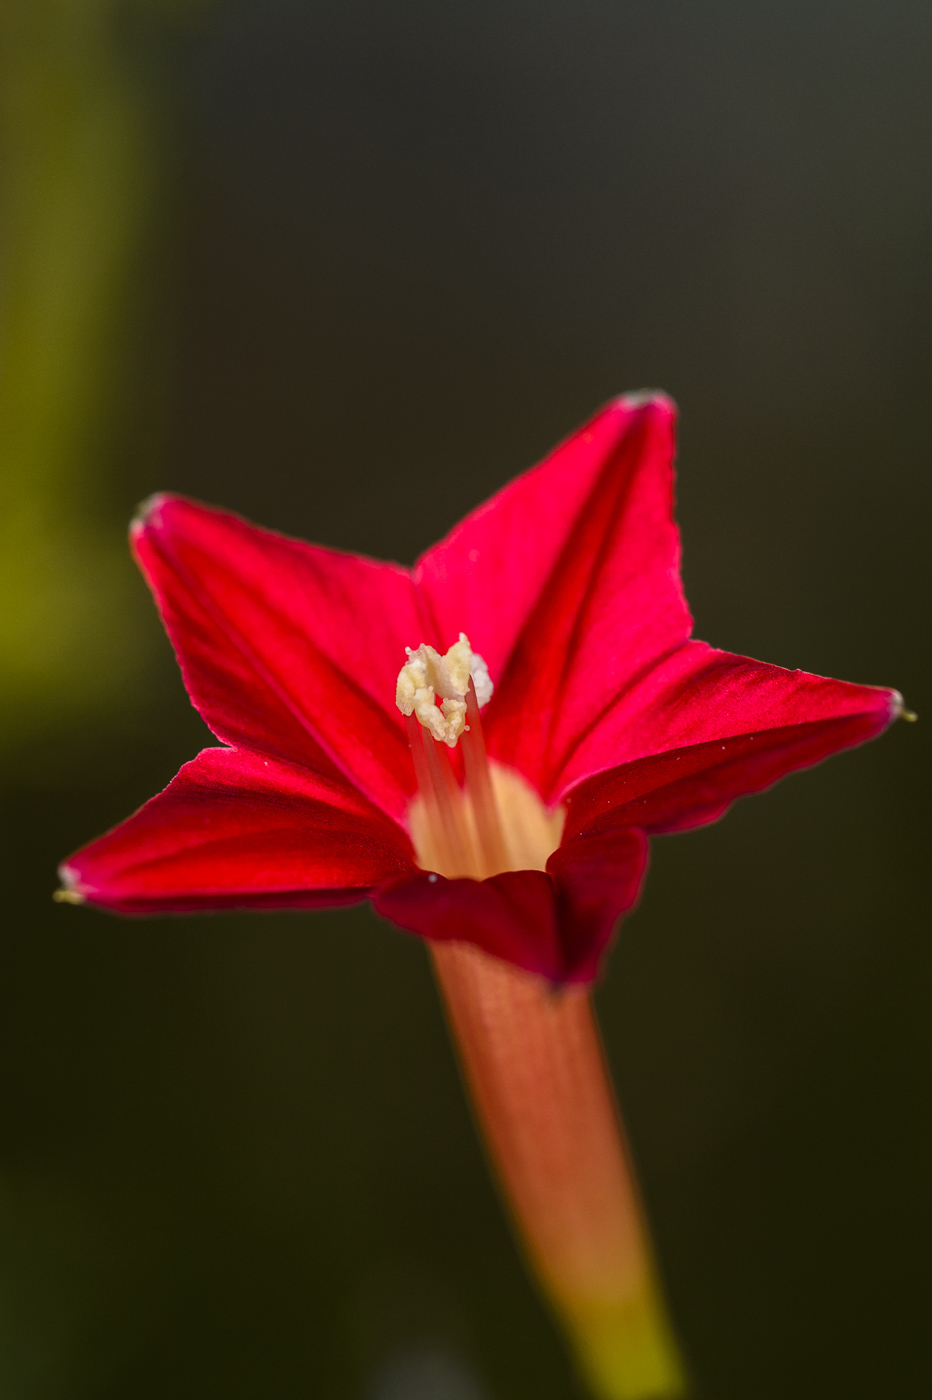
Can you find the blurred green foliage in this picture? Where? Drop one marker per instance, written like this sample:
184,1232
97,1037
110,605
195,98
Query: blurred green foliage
75,186
79,144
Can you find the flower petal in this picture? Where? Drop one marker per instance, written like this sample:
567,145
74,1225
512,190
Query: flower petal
513,915
285,647
706,727
578,554
577,583
236,830
598,878
556,924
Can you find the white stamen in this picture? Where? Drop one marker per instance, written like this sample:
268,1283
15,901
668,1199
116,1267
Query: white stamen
428,676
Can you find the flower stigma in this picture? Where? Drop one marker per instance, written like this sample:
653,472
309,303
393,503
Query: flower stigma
491,822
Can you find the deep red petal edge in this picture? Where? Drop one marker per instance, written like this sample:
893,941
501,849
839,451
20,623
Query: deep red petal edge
512,916
691,786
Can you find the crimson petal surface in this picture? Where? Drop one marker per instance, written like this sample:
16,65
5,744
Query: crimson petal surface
607,601
286,648
567,581
705,727
236,830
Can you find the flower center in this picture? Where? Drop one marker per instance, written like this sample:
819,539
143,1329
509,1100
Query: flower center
486,819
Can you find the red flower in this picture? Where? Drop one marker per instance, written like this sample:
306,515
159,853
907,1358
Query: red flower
608,724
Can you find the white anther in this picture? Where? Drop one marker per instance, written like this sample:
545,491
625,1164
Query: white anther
427,675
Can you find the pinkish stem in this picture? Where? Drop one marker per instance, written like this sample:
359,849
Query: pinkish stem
533,1061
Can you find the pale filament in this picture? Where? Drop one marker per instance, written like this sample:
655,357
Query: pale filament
463,829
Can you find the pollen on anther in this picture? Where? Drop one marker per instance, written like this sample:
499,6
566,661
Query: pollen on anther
434,687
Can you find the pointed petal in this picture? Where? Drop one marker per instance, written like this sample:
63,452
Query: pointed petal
706,727
556,924
575,589
285,647
236,830
579,553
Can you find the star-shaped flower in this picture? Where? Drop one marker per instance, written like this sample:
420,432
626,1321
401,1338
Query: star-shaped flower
524,832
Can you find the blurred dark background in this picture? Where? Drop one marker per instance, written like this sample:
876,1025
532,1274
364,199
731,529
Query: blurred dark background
346,267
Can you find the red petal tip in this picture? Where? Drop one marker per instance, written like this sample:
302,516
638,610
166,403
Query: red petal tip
71,891
898,708
648,398
147,511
